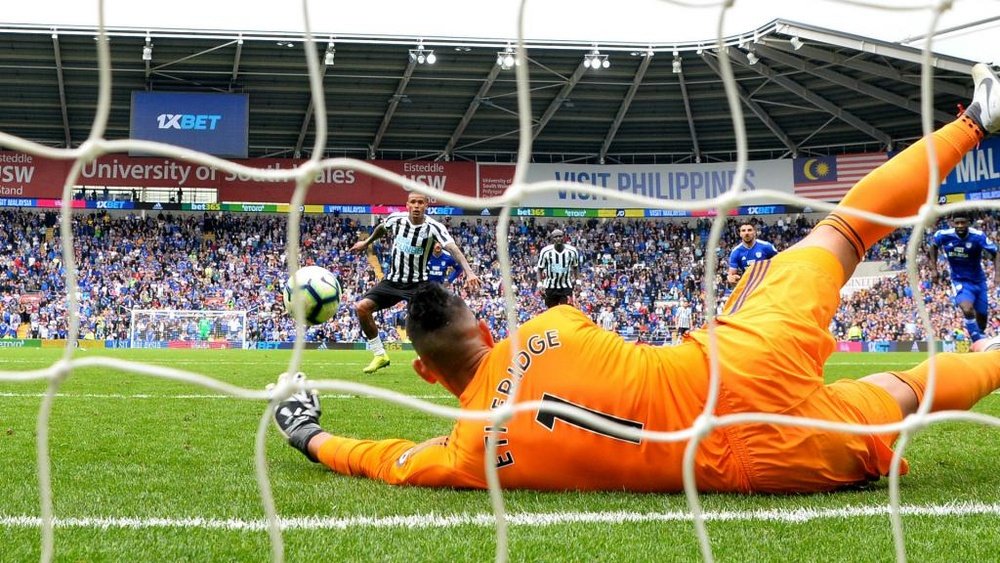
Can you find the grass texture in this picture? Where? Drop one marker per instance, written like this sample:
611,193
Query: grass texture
154,470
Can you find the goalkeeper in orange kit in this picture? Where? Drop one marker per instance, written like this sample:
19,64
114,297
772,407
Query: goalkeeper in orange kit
772,344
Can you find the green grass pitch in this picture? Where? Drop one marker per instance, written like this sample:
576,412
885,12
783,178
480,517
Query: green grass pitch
153,470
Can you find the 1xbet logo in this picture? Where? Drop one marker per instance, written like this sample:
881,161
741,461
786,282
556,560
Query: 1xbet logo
188,121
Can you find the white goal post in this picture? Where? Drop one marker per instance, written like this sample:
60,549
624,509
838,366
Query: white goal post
197,328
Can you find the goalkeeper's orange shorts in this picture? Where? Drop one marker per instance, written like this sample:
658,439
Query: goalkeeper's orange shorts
773,340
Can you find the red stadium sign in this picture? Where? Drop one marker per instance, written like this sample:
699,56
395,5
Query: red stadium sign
353,187
494,179
27,176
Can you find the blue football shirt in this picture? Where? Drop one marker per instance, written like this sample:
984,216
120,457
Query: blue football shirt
742,257
437,268
965,255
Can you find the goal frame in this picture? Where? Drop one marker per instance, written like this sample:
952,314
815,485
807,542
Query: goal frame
135,340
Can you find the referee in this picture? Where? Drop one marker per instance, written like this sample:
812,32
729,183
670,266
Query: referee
558,264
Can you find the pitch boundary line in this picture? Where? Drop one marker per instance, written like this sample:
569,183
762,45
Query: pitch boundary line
425,521
9,395
165,361
119,396
193,396
322,364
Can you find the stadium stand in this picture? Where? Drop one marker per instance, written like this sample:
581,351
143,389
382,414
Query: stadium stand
640,270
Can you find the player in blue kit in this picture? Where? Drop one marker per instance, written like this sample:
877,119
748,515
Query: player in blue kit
964,248
438,265
748,251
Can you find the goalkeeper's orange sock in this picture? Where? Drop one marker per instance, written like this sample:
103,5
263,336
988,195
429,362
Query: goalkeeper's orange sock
962,379
899,187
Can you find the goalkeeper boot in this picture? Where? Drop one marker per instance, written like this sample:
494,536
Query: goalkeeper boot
986,344
985,106
297,417
378,362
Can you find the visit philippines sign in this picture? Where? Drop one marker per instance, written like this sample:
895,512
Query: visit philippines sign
673,182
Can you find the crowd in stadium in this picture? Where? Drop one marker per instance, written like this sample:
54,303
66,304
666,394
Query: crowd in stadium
638,276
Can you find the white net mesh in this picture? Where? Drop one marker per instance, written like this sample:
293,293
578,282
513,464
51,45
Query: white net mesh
203,328
97,145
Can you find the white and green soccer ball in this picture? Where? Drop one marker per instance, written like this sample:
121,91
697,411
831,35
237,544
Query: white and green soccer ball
320,293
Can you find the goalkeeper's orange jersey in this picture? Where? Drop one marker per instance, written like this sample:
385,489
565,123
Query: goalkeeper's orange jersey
564,358
772,342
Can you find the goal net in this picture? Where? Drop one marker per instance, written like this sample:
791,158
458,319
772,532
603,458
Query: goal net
230,327
202,328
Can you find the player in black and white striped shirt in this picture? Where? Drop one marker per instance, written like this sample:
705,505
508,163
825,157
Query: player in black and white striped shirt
413,235
558,264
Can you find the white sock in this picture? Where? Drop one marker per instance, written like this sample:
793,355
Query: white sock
376,346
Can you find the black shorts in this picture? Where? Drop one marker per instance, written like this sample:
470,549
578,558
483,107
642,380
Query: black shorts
387,293
557,296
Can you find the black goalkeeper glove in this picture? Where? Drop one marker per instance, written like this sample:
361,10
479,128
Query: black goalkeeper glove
297,417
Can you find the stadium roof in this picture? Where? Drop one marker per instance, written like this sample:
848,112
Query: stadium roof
812,91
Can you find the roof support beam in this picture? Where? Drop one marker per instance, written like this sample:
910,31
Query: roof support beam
873,46
755,108
848,82
626,103
160,67
695,146
788,84
236,59
488,139
470,111
62,90
393,104
307,119
561,97
875,69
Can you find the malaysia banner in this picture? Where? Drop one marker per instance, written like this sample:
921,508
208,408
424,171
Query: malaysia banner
828,178
977,172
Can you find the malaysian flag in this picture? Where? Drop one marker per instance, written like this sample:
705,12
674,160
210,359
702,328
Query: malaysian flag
829,177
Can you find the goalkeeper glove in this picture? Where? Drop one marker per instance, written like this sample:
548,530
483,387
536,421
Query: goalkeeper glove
297,417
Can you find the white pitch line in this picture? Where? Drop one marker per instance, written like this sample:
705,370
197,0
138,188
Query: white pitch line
117,396
164,361
860,364
148,396
423,521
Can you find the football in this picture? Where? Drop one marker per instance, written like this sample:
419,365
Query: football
320,293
